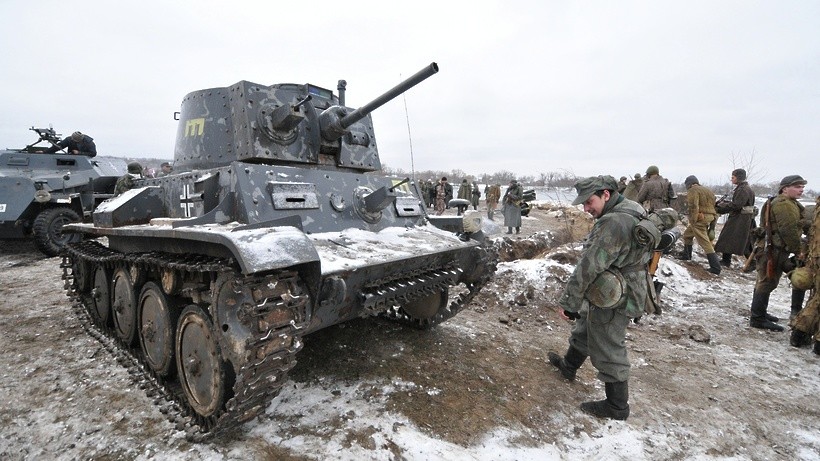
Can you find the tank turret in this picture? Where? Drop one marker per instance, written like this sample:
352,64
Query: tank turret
267,230
280,124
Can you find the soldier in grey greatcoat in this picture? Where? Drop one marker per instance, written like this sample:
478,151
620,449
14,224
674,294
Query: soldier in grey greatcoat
511,207
599,332
476,195
735,239
656,190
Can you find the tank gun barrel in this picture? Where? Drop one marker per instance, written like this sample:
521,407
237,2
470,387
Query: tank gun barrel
334,128
362,112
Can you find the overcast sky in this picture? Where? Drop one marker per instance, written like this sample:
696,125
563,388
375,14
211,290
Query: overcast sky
586,87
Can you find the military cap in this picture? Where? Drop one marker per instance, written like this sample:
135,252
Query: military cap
740,174
164,164
691,179
792,180
134,168
77,136
588,186
623,178
652,170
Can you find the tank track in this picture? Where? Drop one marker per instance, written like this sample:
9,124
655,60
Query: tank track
256,383
394,293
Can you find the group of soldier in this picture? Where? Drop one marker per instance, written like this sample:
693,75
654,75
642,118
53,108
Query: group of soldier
438,197
611,253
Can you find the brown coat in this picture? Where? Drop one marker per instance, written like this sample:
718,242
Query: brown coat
655,190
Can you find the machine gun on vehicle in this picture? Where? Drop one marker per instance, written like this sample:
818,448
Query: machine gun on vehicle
46,135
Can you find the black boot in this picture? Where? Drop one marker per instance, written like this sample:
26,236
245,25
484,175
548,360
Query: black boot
517,230
760,302
799,339
817,347
568,364
686,255
509,230
616,405
797,302
714,263
726,261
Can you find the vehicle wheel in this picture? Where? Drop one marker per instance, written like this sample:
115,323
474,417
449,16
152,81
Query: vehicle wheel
202,372
124,306
424,309
101,297
48,230
157,329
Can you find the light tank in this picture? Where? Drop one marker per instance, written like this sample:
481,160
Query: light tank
275,223
40,193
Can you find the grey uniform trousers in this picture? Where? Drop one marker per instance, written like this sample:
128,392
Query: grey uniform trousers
601,335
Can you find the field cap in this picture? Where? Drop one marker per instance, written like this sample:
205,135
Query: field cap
588,186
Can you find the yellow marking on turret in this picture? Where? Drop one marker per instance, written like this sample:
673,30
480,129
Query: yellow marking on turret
194,127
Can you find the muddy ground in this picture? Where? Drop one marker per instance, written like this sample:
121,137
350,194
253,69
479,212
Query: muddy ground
704,385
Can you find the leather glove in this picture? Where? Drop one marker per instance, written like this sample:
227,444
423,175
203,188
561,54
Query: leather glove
572,315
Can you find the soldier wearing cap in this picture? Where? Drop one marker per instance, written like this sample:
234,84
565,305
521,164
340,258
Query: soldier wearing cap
600,326
781,218
735,236
165,169
701,204
511,206
76,144
126,181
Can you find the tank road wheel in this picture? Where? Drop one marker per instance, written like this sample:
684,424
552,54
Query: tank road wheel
423,310
101,297
124,306
202,373
157,329
48,230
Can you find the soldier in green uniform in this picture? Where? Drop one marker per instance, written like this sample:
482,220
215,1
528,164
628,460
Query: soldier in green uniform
599,332
701,202
126,181
781,218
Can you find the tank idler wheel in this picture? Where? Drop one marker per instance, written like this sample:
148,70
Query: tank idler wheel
124,306
202,372
101,297
426,307
158,317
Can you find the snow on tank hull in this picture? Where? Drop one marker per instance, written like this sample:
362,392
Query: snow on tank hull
275,226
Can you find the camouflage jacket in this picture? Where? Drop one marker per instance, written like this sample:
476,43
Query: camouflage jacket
700,200
124,183
786,224
610,245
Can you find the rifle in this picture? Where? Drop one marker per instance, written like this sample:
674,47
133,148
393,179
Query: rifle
767,225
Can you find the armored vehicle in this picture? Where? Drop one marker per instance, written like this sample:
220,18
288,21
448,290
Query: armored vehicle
275,223
39,193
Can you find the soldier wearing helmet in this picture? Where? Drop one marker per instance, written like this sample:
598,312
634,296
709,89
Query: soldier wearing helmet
76,144
656,190
610,251
126,181
781,218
